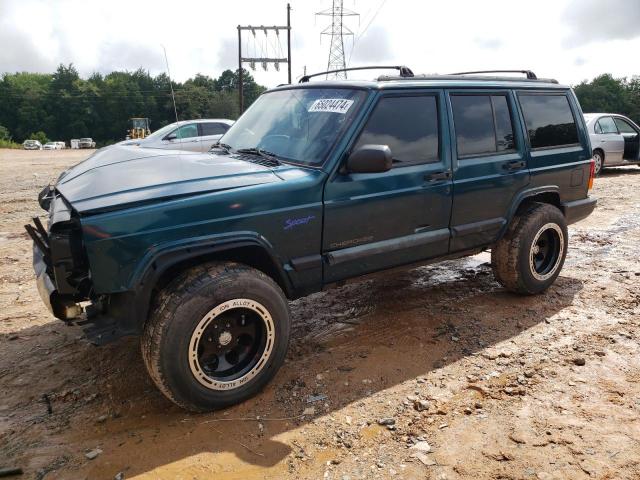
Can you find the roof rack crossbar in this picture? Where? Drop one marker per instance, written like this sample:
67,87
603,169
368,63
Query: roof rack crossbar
404,71
530,75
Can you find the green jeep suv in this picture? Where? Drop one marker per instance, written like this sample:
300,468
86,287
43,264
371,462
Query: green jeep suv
316,183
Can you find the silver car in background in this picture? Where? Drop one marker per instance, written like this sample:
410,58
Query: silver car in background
193,135
615,140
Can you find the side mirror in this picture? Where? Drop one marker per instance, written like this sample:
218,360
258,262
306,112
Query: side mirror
171,137
370,159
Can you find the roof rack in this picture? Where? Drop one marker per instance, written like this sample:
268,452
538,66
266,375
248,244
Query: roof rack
475,78
405,72
530,75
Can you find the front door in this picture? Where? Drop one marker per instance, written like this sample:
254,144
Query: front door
375,221
185,137
609,140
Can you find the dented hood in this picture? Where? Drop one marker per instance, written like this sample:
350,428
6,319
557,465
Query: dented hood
122,175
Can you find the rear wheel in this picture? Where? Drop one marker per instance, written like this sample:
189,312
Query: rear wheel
218,334
598,158
529,257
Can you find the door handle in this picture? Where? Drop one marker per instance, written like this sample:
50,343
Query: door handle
515,165
432,177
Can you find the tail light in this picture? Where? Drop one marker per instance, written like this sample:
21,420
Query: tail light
592,174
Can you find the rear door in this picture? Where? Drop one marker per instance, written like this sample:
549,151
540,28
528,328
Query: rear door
210,133
609,139
490,164
375,221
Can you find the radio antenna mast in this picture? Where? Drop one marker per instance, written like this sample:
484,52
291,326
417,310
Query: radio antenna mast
173,97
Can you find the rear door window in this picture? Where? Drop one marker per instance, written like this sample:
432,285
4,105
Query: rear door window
607,125
482,123
408,125
213,128
549,120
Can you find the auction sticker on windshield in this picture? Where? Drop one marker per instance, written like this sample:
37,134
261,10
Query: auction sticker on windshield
332,105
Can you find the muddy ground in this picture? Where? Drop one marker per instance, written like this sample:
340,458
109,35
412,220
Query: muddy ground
498,386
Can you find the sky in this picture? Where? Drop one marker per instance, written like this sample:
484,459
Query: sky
570,40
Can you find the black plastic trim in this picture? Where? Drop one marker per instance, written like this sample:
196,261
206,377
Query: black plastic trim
578,209
386,246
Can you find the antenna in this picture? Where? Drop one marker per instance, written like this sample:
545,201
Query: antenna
173,97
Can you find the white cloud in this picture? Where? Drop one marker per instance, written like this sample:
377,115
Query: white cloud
200,36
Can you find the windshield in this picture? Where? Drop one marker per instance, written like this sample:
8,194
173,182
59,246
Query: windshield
299,125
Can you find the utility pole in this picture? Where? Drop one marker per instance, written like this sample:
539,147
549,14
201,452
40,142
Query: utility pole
289,42
337,30
263,60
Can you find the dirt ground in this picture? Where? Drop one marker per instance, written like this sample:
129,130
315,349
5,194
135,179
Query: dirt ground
472,382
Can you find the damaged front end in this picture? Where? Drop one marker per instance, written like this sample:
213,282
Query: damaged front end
59,259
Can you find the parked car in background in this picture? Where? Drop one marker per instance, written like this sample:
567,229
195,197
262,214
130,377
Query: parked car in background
32,145
86,143
615,140
62,145
52,146
193,135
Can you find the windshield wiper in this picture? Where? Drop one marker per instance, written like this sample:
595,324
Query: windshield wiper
223,146
270,156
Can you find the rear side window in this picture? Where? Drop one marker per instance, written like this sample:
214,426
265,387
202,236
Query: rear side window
213,129
408,125
549,120
482,123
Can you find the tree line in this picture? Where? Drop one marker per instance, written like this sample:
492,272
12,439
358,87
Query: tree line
611,95
61,106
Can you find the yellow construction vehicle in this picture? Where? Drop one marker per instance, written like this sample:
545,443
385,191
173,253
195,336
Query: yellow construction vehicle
138,128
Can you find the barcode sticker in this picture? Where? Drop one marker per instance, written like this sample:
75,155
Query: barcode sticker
332,105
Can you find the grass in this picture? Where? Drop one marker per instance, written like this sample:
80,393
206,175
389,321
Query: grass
9,144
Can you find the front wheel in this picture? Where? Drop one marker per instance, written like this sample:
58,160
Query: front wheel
529,257
218,334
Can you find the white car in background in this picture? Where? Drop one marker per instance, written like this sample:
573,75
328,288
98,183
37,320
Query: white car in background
615,140
193,135
51,146
32,145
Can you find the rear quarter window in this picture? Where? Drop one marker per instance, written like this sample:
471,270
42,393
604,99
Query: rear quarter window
549,120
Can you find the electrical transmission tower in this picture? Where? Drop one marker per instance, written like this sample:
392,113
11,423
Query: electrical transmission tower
337,30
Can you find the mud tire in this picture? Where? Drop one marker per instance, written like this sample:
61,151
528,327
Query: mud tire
511,259
176,313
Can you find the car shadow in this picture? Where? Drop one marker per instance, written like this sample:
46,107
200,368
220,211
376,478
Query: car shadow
348,344
619,171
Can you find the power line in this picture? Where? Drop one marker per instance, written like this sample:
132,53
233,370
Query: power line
360,34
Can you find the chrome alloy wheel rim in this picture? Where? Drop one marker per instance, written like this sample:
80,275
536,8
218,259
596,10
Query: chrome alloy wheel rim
597,159
546,251
231,344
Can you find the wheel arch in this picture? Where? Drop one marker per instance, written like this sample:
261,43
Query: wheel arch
158,270
549,194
